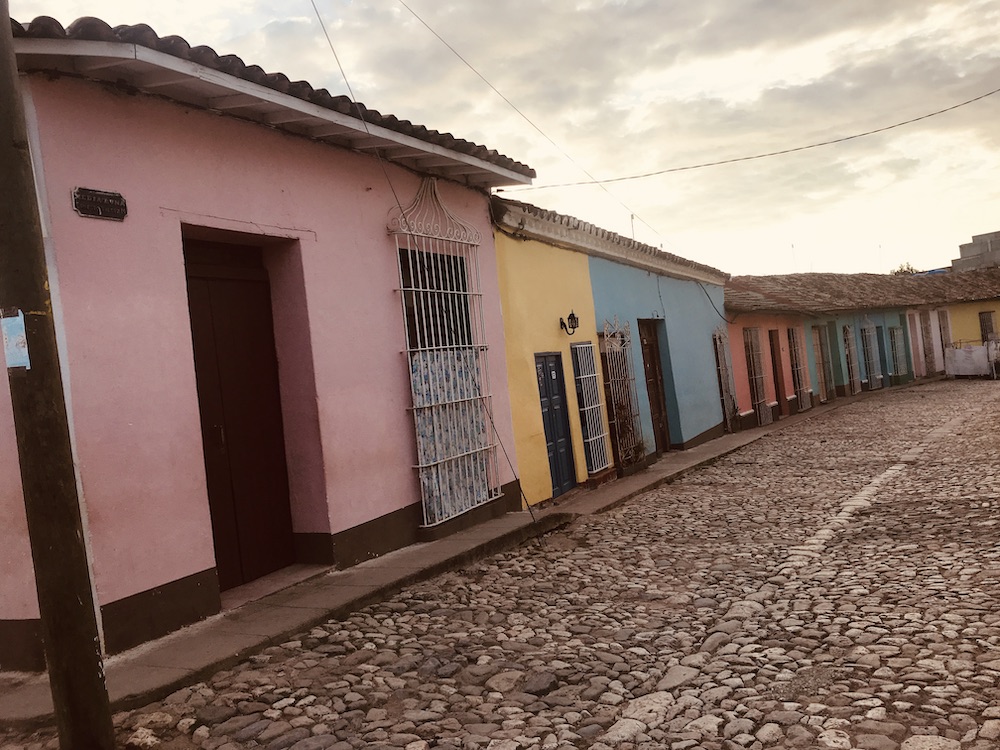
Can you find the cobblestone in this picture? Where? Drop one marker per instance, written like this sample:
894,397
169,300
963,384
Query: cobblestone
834,585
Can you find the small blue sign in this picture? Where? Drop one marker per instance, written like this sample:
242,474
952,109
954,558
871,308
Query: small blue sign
15,341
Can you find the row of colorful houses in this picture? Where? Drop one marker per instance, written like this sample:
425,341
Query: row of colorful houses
803,339
295,330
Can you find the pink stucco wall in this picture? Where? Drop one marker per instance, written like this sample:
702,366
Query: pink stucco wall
740,373
338,324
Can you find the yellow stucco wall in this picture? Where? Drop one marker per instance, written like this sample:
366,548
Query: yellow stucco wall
538,285
964,318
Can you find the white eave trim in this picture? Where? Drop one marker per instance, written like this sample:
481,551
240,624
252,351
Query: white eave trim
527,225
194,84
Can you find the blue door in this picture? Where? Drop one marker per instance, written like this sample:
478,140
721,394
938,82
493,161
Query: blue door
552,393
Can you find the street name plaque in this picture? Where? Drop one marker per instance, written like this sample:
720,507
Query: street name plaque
99,204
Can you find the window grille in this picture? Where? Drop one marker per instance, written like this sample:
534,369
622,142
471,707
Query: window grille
916,347
446,352
851,353
755,371
623,400
869,350
824,365
927,340
799,375
898,346
730,409
588,396
987,327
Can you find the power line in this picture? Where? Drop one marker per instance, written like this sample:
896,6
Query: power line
593,180
768,154
354,101
392,189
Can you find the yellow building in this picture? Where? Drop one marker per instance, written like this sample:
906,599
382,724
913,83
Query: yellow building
553,371
970,322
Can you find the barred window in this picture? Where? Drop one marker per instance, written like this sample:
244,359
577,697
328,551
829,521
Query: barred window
588,396
446,354
824,367
898,344
869,350
619,379
755,372
851,353
799,375
436,299
987,326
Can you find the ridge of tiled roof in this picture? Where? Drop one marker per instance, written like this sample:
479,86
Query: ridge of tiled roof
810,293
94,29
628,248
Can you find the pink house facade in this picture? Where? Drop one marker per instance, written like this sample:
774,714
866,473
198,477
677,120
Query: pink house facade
769,367
288,350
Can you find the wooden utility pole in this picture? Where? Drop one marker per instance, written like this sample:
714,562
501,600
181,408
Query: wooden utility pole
51,500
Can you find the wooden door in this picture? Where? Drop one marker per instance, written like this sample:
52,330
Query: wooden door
774,337
654,383
236,369
555,419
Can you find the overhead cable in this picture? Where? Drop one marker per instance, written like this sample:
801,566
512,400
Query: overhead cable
593,180
765,155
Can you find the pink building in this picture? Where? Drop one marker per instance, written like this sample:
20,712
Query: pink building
268,359
769,369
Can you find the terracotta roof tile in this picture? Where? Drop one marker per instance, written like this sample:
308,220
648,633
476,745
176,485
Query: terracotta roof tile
94,29
626,243
811,293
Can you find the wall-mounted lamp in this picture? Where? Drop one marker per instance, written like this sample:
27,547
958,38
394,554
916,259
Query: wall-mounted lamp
570,324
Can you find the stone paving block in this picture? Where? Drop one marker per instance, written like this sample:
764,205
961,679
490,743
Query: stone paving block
844,598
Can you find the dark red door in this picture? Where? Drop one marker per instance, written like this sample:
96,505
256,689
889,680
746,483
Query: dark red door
654,383
237,375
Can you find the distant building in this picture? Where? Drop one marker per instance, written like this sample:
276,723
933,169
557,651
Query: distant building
982,252
610,346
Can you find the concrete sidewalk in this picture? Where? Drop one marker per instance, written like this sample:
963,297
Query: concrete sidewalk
154,670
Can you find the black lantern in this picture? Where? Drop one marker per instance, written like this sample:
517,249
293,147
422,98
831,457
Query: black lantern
570,324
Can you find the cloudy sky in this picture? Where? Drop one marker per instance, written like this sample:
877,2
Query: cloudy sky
616,88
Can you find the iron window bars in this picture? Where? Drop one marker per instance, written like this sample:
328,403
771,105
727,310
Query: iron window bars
824,369
987,326
869,350
851,353
588,395
446,350
800,378
898,345
927,342
755,371
623,399
730,408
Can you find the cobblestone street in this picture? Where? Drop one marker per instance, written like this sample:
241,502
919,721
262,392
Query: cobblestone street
835,584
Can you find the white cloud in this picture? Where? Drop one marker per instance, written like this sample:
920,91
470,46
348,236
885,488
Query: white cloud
628,86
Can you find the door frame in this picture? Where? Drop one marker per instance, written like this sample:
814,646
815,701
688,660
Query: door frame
661,432
560,421
221,474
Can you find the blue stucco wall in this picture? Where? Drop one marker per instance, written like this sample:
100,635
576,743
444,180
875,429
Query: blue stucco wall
881,319
685,338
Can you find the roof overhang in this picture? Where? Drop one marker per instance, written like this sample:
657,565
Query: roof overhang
191,83
590,240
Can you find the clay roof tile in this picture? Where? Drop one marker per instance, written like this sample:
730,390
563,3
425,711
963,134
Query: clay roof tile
42,27
140,34
94,29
